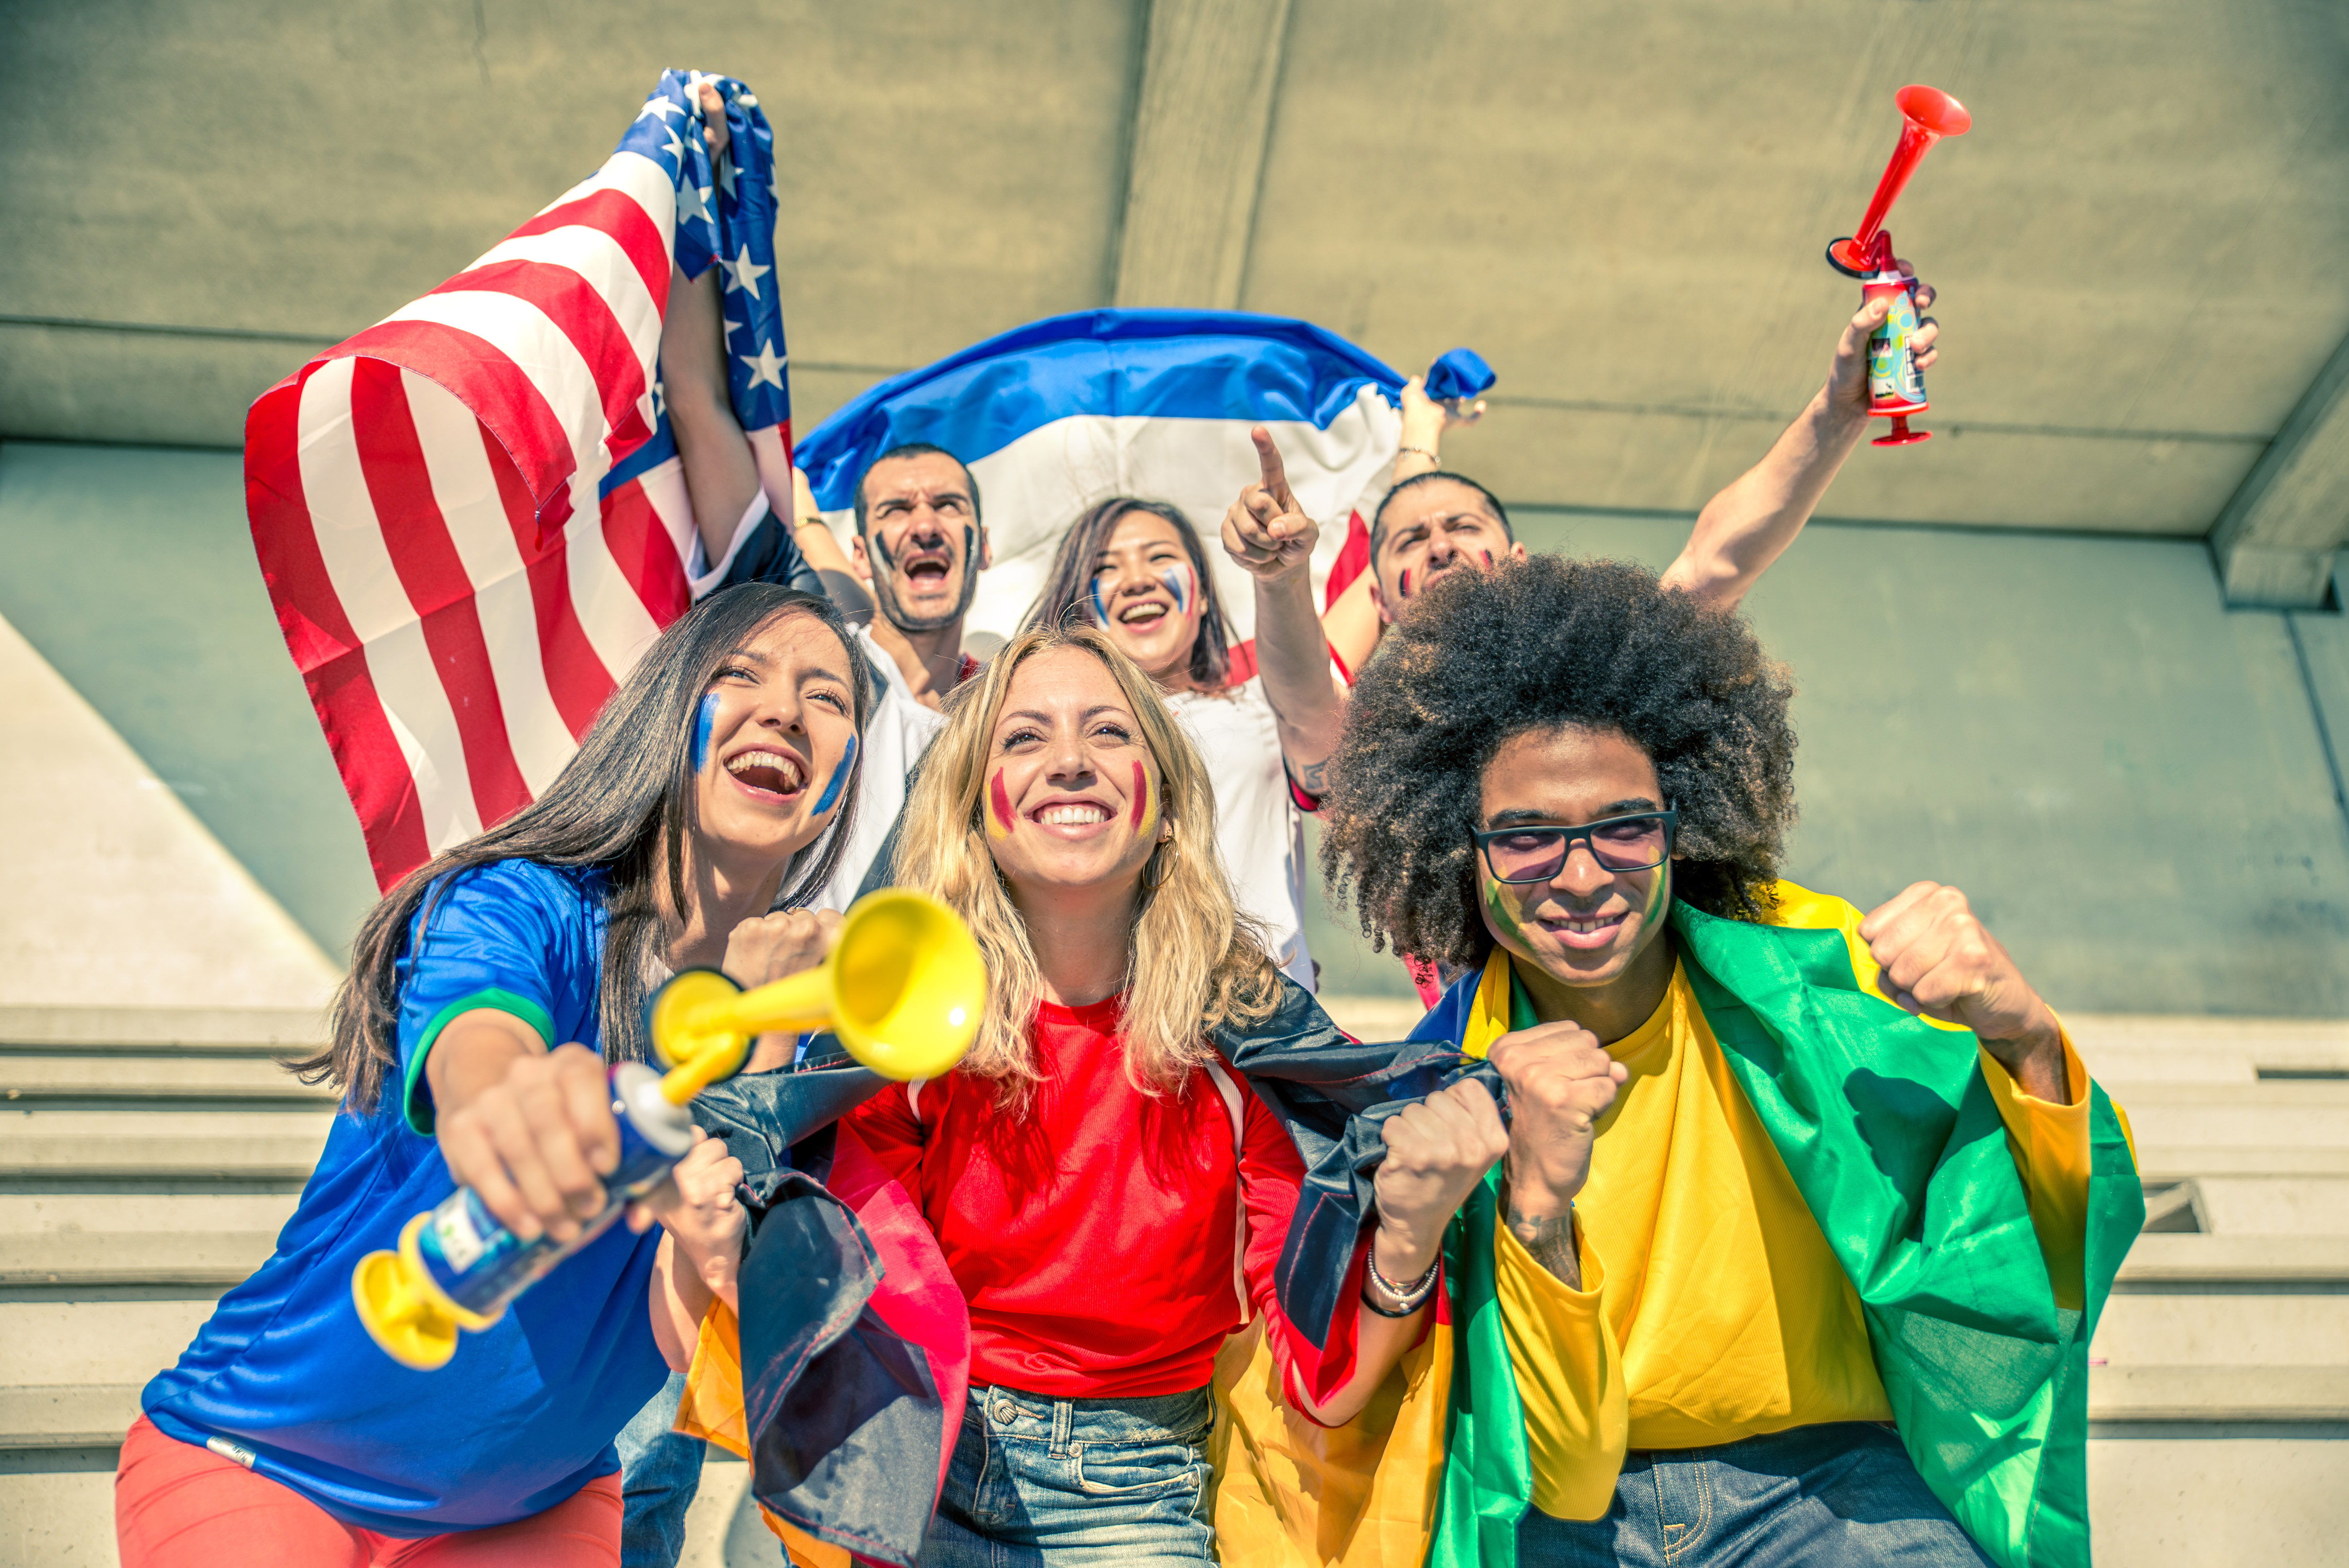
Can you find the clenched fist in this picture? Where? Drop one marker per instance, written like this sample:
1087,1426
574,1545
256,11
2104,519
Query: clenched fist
1561,1081
770,947
1437,1150
1937,959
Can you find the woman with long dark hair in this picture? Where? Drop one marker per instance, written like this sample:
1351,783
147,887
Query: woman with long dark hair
1266,716
487,993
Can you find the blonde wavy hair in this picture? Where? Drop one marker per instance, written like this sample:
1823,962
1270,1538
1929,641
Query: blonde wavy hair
1193,960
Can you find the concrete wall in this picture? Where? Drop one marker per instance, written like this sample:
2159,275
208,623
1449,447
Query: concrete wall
2127,778
1623,204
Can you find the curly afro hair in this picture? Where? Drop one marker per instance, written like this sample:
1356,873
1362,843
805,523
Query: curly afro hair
1535,645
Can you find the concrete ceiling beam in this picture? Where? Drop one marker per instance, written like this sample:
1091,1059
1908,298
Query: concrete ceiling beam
2277,537
1201,119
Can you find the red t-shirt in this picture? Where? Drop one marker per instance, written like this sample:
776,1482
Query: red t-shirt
1098,1234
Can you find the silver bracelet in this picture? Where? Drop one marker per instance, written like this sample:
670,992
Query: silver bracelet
1424,452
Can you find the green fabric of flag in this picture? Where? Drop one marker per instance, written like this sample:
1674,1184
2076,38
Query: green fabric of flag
1895,1142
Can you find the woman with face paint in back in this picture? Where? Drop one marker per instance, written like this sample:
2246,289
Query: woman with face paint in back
1266,716
488,990
1110,1198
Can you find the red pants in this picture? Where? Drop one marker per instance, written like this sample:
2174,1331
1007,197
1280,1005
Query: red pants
180,1506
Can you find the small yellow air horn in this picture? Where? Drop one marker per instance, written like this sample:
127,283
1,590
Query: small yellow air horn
903,990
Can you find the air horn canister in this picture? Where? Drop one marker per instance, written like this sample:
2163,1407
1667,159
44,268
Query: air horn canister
903,989
1896,389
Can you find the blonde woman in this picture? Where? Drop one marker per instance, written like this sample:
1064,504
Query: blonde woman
1109,1196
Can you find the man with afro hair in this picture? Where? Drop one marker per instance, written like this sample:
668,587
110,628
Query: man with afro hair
1793,1239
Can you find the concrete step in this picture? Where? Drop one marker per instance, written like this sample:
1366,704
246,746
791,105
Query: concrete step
2208,1395
118,1213
229,1031
284,1160
2274,1205
2125,1050
2157,1262
68,1260
97,1335
2222,1329
29,1081
77,1416
2193,1162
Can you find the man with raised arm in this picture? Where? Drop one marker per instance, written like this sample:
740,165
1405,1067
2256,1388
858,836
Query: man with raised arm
1433,520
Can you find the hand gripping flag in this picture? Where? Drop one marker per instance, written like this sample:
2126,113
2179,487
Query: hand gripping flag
843,1379
1062,413
471,516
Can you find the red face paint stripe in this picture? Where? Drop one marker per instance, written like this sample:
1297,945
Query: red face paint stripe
1000,801
1141,796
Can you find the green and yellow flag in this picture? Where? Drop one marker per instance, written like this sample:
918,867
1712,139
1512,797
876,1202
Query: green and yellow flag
1892,1136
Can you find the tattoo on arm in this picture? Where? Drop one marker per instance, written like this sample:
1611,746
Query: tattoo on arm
1315,780
1551,1242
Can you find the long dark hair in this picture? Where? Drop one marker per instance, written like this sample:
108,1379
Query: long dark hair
1069,589
624,800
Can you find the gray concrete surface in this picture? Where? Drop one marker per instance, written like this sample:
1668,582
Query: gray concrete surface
1623,206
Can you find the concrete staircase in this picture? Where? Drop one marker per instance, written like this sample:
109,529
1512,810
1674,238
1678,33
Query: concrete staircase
147,1157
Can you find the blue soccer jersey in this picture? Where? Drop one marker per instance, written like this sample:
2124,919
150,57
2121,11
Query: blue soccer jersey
525,1414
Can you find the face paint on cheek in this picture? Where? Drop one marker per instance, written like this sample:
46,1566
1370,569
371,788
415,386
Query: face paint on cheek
999,814
703,723
1488,560
1402,585
1101,610
838,780
1180,583
1145,810
1501,913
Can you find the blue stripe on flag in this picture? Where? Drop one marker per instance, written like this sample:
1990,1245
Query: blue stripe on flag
1167,363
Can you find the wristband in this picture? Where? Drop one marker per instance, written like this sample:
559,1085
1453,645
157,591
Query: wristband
1424,452
1405,1299
810,521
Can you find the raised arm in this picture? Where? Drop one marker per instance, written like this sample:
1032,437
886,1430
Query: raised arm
722,473
1272,539
1750,524
1352,625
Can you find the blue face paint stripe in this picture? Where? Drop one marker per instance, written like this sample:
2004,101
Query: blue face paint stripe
839,780
702,725
1101,611
1178,582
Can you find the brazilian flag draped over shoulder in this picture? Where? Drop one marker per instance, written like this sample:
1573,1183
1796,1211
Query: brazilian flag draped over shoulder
1893,1139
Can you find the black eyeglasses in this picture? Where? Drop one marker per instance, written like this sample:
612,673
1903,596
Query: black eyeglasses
1639,841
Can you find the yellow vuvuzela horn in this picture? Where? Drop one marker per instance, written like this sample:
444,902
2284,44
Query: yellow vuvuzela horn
903,990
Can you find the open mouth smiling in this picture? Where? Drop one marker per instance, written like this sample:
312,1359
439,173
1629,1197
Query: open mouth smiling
767,774
1070,814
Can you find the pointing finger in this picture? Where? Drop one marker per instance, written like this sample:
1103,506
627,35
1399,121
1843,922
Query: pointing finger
1276,476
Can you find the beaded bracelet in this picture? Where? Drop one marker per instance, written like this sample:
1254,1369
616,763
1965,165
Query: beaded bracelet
1407,1301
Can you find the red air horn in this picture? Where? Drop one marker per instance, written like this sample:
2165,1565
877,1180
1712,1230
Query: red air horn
1896,389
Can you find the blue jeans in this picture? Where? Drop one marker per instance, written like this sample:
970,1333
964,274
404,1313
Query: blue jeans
660,1470
1840,1495
1052,1483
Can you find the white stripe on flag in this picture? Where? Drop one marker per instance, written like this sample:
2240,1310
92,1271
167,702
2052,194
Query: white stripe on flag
467,496
596,257
350,540
530,337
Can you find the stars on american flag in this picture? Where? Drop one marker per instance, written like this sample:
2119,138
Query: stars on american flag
766,366
743,273
692,200
663,106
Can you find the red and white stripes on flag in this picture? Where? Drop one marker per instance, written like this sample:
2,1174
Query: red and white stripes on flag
425,500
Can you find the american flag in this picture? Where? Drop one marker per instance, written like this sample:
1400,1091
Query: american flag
471,516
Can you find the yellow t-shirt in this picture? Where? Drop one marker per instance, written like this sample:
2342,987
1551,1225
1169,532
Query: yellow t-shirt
1713,1309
